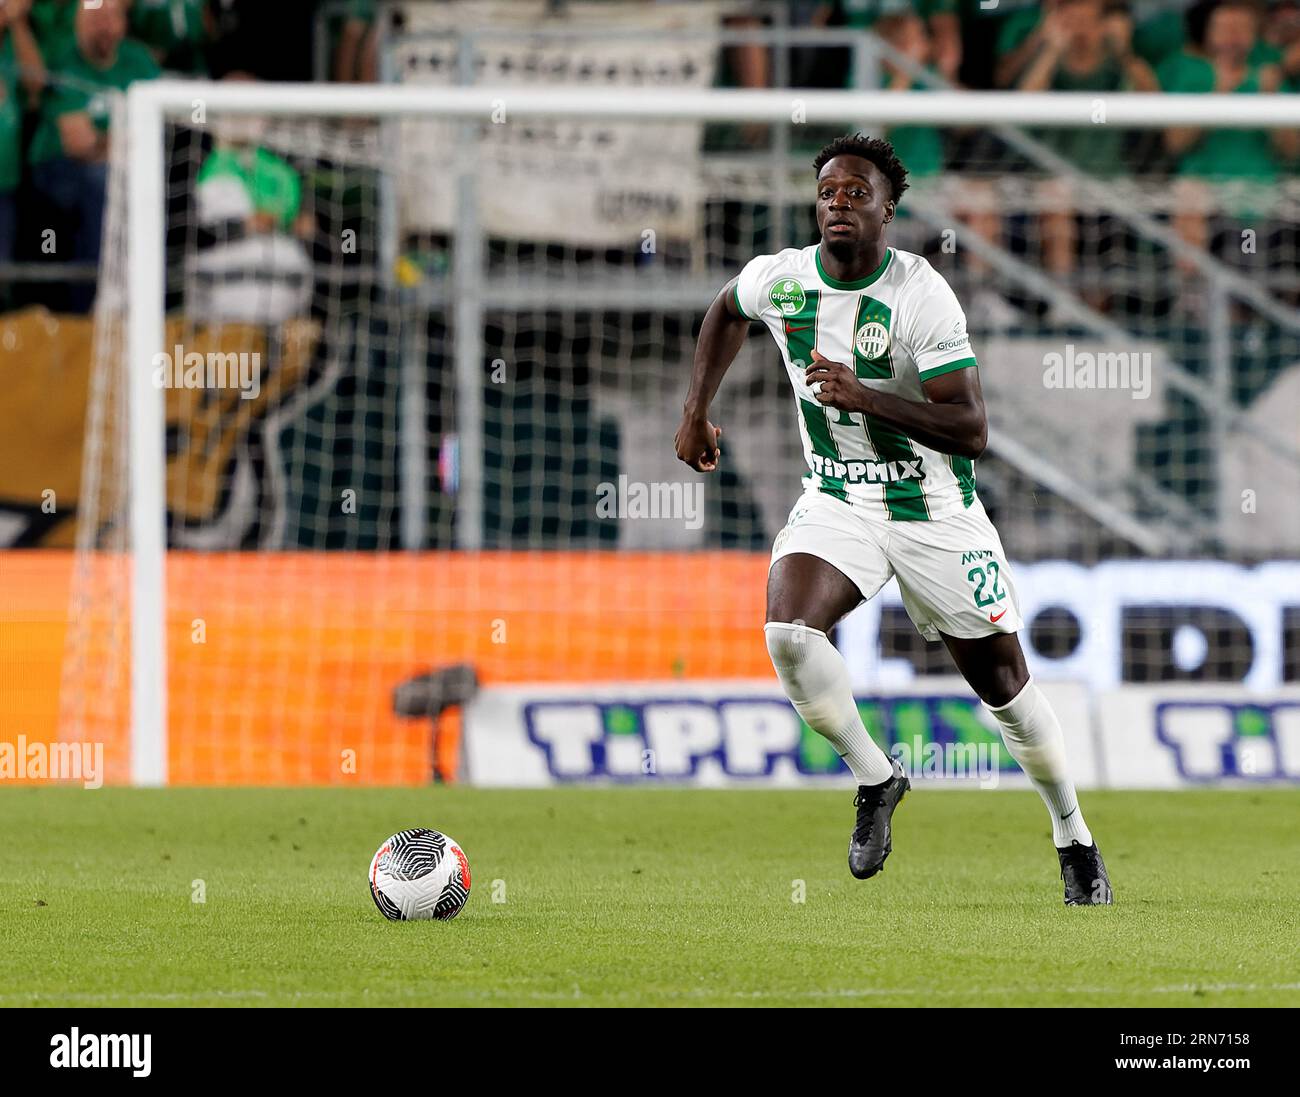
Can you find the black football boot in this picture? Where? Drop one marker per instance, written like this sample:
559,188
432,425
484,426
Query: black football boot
871,841
1084,873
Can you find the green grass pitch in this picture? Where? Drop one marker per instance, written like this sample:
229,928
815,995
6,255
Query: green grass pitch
642,897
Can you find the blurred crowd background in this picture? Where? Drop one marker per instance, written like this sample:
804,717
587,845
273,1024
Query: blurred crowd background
58,57
342,250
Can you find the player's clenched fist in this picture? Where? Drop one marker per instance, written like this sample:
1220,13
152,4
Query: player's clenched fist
835,385
697,443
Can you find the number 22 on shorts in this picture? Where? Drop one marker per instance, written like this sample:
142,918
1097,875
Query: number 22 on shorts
985,581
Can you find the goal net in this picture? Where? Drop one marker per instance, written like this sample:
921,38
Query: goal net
386,381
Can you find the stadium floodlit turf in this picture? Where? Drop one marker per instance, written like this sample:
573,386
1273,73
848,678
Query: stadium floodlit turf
642,897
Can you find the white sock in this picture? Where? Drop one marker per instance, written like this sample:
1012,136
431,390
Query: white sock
817,682
1033,736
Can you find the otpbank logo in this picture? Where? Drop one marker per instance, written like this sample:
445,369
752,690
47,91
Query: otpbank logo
787,297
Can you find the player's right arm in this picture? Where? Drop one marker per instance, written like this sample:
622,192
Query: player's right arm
721,336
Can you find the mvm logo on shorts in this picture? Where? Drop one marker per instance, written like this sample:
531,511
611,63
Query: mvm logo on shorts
868,472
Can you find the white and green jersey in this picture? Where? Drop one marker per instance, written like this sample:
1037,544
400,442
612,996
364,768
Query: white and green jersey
897,327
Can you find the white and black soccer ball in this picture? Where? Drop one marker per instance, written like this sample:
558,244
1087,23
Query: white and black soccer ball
419,874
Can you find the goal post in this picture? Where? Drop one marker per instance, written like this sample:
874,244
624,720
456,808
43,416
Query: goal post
150,106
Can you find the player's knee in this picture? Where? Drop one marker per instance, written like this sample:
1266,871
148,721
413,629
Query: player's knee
790,643
1003,685
806,662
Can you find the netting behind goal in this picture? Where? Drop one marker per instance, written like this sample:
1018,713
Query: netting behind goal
419,417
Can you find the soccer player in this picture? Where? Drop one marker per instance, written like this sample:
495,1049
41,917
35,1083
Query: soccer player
892,419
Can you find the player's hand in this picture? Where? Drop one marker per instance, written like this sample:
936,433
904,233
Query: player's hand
835,385
696,443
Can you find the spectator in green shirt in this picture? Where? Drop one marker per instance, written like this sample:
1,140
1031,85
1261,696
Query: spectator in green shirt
1080,51
1024,35
54,24
1159,31
1164,27
175,32
249,202
939,18
1219,60
22,78
981,24
920,148
1282,34
69,149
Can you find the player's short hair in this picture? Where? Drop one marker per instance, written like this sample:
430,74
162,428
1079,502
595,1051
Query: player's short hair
875,150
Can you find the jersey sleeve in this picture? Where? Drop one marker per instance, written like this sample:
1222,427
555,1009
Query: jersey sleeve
747,294
936,331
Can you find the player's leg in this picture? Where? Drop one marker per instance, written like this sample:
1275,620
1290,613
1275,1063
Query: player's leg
994,666
825,562
806,596
957,586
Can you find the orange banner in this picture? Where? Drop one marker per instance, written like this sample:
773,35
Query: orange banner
282,666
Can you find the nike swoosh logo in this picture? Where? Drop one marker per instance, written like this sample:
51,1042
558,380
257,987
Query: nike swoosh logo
801,327
1070,812
995,618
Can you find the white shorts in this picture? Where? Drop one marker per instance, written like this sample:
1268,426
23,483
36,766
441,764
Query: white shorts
952,572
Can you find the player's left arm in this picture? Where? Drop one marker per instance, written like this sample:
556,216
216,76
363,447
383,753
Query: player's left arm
951,419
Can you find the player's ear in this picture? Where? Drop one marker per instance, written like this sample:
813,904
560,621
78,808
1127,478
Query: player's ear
890,206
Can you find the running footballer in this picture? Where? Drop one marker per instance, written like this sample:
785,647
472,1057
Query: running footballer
889,407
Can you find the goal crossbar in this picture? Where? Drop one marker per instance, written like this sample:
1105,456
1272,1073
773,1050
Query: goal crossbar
953,108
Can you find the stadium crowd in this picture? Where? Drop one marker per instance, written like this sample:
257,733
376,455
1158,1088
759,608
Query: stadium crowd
59,57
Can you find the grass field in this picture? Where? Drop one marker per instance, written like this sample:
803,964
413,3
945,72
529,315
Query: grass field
642,897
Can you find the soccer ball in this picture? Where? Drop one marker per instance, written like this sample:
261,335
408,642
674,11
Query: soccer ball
419,874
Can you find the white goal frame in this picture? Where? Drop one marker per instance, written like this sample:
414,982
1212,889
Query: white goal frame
151,103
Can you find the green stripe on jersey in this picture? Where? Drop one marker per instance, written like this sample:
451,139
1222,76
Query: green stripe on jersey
799,344
871,311
735,298
800,341
904,499
964,469
947,367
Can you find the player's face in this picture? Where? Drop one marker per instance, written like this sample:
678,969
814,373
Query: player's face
853,203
